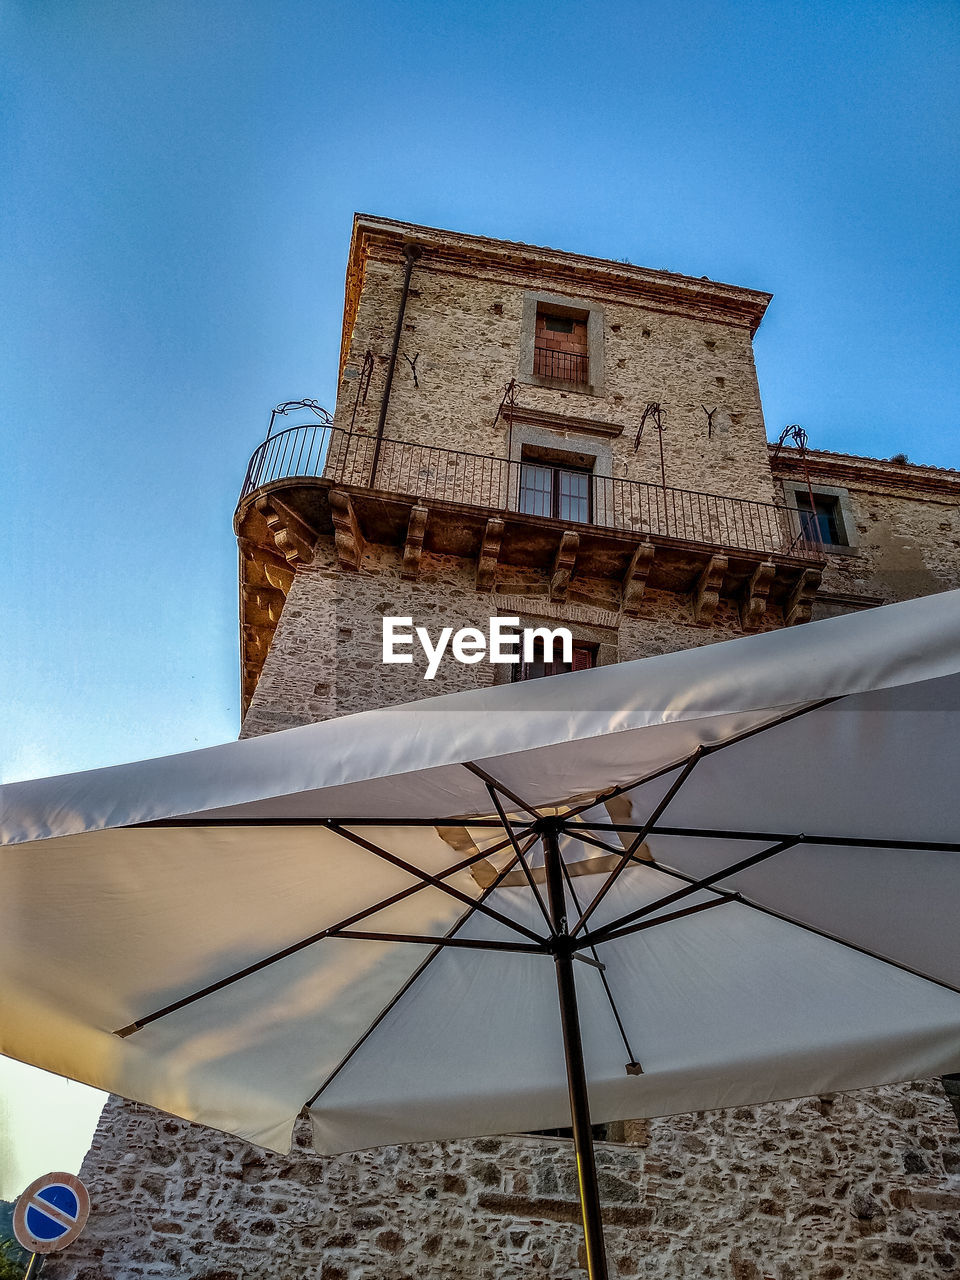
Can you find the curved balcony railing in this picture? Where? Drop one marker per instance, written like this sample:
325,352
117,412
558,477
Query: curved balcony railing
479,480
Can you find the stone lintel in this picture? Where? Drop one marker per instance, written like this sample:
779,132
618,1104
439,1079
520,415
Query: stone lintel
346,531
799,603
413,546
635,579
293,536
850,600
753,604
707,591
563,564
489,554
565,422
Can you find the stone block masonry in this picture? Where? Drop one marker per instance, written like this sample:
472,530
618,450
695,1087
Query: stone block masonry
906,526
325,659
467,331
862,1186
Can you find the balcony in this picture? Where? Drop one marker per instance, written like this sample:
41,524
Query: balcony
562,366
309,481
473,480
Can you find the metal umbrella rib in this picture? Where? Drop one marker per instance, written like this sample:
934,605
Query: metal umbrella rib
454,929
638,840
785,718
521,857
485,777
435,881
276,956
760,907
609,929
632,1061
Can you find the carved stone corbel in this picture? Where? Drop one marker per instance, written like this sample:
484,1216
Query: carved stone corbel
707,591
489,556
293,536
258,642
799,605
278,576
635,579
754,603
346,531
563,565
266,602
413,547
264,566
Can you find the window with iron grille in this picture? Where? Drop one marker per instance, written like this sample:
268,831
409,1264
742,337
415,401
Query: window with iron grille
562,493
560,347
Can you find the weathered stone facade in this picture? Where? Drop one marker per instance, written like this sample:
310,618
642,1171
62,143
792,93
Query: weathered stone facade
326,655
858,1187
465,328
906,527
834,1188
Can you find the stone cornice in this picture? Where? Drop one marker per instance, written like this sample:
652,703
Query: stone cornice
384,239
854,472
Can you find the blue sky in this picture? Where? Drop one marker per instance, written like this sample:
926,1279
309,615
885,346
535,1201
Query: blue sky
180,181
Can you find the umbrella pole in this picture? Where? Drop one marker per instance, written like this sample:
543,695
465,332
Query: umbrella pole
573,1054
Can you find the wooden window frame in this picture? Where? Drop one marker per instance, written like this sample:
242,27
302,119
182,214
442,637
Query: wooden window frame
555,496
826,510
797,494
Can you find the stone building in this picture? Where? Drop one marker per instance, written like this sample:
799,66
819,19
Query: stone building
526,433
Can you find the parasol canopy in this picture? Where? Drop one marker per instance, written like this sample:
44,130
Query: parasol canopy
744,856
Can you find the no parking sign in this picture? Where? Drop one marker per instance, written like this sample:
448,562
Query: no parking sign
51,1213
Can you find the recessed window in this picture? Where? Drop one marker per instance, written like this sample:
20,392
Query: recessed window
822,517
821,522
560,347
561,493
583,655
561,343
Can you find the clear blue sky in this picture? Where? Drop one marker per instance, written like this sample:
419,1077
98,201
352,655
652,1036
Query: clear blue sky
179,185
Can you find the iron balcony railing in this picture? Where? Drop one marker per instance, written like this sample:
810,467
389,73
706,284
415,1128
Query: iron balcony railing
500,484
565,366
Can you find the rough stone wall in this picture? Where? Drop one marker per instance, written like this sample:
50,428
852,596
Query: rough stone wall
905,527
465,329
862,1186
909,545
325,656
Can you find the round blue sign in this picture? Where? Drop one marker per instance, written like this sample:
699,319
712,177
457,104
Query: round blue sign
47,1226
51,1212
